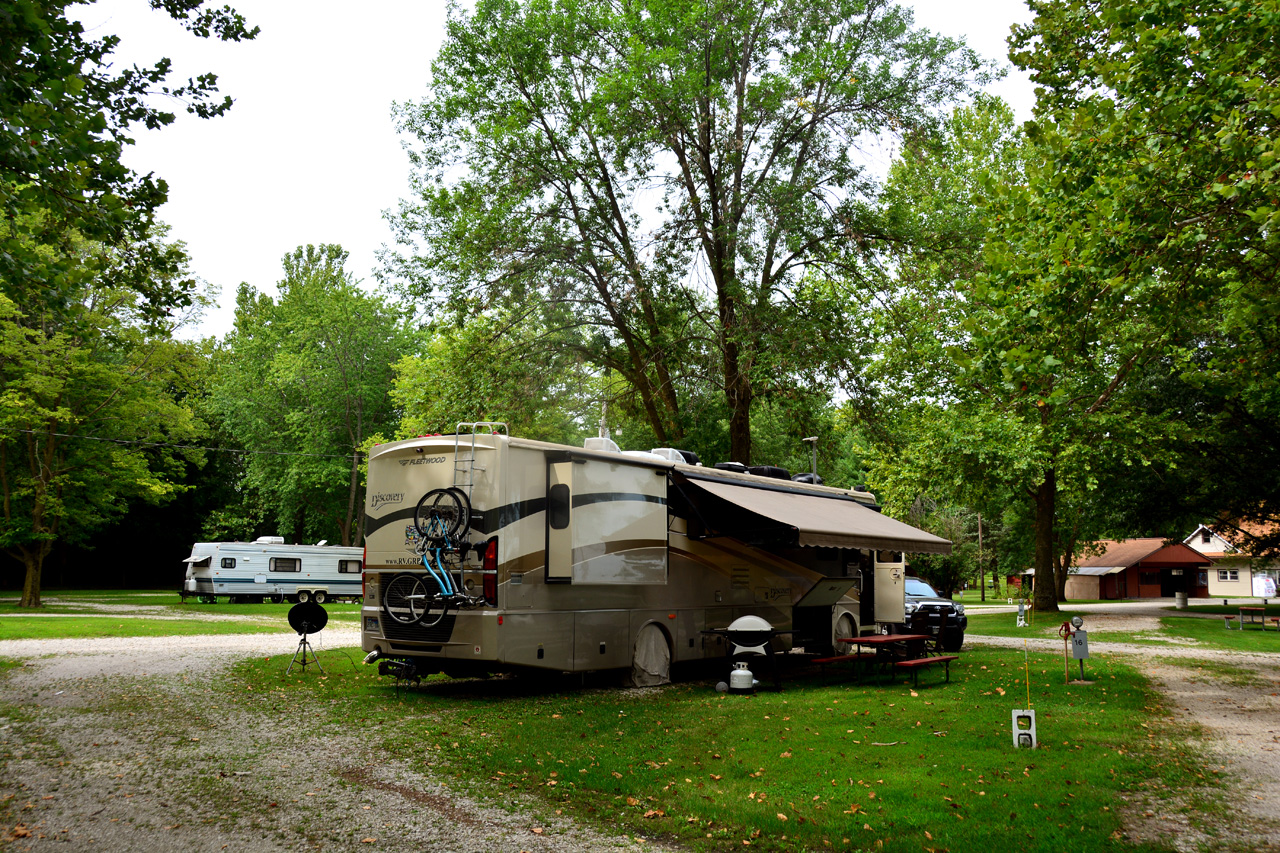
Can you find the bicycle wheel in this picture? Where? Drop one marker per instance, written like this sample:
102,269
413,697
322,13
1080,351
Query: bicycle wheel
465,516
441,514
404,599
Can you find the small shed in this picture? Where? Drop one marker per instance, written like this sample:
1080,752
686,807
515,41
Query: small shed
1139,568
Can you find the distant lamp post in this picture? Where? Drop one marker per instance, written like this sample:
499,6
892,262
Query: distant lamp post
813,445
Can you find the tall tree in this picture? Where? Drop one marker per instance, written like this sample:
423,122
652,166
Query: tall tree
65,117
89,409
664,173
302,383
1159,119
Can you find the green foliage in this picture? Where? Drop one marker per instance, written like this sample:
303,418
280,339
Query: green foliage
90,398
65,117
661,177
302,382
496,369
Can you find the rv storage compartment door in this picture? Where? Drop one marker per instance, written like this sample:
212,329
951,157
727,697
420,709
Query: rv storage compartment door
619,523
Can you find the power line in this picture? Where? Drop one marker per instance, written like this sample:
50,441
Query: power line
140,443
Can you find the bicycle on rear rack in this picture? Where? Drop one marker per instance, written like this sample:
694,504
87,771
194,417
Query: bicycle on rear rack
441,519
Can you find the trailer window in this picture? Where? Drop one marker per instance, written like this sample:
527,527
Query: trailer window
349,567
558,507
228,562
286,564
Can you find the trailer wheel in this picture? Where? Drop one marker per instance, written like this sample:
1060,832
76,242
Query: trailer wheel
321,596
651,661
303,596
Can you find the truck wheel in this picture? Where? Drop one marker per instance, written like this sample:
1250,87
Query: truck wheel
651,662
321,596
303,596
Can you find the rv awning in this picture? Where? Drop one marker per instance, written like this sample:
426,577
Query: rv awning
1096,571
194,560
797,518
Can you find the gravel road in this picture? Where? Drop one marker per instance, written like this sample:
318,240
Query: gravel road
123,745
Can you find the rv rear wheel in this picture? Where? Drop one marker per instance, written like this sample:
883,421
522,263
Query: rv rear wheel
303,596
651,662
321,596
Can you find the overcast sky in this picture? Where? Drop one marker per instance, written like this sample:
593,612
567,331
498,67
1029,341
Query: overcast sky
308,154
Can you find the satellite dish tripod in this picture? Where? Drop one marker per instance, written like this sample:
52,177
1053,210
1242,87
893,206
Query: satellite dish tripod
306,618
300,656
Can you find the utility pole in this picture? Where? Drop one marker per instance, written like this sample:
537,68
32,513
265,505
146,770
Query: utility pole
813,444
982,569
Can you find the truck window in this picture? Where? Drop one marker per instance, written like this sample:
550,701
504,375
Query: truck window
349,567
286,564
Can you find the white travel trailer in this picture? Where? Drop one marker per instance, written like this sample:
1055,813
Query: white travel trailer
269,570
573,559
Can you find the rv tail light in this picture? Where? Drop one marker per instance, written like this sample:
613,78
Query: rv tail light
490,567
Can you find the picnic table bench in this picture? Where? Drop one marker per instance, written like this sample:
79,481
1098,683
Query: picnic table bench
915,665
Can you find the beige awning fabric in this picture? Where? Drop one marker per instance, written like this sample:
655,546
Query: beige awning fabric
825,522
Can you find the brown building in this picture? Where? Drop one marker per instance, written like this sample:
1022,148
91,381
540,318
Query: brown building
1139,568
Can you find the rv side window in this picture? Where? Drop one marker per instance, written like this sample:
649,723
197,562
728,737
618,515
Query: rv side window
558,507
286,564
228,562
349,567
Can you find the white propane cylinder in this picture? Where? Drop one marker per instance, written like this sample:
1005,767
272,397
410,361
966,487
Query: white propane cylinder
741,680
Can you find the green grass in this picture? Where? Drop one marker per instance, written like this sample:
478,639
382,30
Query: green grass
74,627
825,762
1207,633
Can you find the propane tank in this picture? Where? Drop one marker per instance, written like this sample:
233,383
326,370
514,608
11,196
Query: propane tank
741,680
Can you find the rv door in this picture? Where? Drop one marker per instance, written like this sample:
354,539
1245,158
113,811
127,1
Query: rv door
891,594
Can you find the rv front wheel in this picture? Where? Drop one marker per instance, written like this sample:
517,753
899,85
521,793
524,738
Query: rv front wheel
845,629
303,596
651,663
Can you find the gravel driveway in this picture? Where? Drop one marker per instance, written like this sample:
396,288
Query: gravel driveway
123,745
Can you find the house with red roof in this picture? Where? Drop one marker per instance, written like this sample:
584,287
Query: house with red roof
1235,568
1139,568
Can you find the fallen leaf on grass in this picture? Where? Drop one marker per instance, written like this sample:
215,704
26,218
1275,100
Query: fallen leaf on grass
537,830
367,840
632,801
655,813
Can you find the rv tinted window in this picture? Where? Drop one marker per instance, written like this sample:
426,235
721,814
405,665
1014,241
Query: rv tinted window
228,562
558,507
349,567
286,564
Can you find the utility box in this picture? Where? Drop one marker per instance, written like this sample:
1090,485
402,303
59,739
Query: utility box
1080,645
1024,728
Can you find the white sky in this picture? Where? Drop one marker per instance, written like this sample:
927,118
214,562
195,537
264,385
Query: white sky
308,154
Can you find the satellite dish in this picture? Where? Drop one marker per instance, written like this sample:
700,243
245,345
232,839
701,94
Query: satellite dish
308,617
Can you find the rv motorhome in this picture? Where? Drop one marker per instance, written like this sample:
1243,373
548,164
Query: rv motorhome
488,553
269,570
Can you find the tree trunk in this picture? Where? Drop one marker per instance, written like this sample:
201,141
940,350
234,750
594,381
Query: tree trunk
1046,587
34,561
350,522
739,396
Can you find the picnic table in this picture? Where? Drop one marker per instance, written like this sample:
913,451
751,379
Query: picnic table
893,652
1252,616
